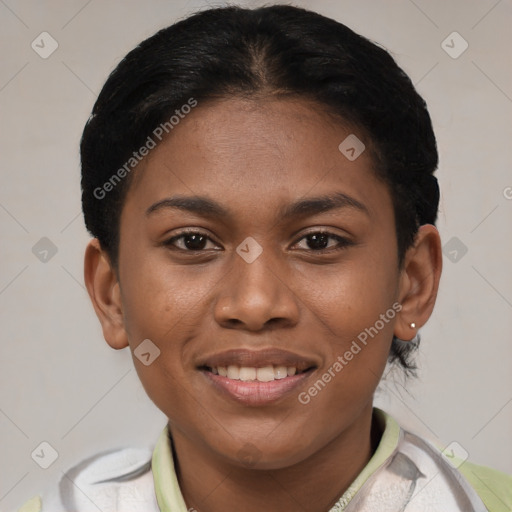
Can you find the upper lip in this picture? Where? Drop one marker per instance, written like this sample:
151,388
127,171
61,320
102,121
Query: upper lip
257,359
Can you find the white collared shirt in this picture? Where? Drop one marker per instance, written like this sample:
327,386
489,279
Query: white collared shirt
406,473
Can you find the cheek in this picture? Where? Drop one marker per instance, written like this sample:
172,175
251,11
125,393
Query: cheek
353,313
352,296
351,308
159,299
155,310
165,304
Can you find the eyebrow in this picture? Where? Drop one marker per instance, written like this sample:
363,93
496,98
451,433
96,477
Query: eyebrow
310,206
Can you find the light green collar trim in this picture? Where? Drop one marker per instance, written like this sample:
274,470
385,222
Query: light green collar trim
168,491
167,488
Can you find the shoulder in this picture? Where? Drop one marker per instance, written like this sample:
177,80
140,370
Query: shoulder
478,483
493,487
105,481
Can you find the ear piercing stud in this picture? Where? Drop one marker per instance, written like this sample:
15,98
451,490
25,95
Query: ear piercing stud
412,325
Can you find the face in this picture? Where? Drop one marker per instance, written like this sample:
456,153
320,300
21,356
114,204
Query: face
231,261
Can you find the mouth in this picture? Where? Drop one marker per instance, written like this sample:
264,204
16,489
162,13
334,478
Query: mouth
256,378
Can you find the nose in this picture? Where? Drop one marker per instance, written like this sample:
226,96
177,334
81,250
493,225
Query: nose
257,296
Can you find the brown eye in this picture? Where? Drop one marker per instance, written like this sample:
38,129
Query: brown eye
189,241
318,241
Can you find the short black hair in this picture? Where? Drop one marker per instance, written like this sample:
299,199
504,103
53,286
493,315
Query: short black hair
273,51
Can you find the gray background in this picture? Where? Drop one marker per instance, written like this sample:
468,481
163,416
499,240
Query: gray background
61,383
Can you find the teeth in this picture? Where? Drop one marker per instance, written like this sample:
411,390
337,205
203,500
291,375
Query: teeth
233,372
280,372
245,373
265,374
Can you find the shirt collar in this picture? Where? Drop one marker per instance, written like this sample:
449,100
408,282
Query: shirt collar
389,441
168,491
167,488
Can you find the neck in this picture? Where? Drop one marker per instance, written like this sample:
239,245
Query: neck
210,484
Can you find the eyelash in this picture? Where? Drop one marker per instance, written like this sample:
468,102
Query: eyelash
343,242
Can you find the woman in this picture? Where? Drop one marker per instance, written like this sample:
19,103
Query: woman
259,185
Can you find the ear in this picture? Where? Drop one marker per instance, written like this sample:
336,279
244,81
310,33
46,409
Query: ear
419,282
103,288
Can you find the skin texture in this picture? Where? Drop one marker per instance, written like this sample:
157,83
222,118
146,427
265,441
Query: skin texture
255,157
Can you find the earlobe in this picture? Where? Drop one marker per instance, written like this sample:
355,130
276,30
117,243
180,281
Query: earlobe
103,288
419,282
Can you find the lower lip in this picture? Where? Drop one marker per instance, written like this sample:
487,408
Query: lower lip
255,392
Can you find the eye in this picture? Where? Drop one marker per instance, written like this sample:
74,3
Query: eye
318,241
189,241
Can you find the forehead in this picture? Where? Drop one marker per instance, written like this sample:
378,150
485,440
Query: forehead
257,152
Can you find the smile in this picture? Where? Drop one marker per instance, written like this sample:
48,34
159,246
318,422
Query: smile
256,392
256,378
